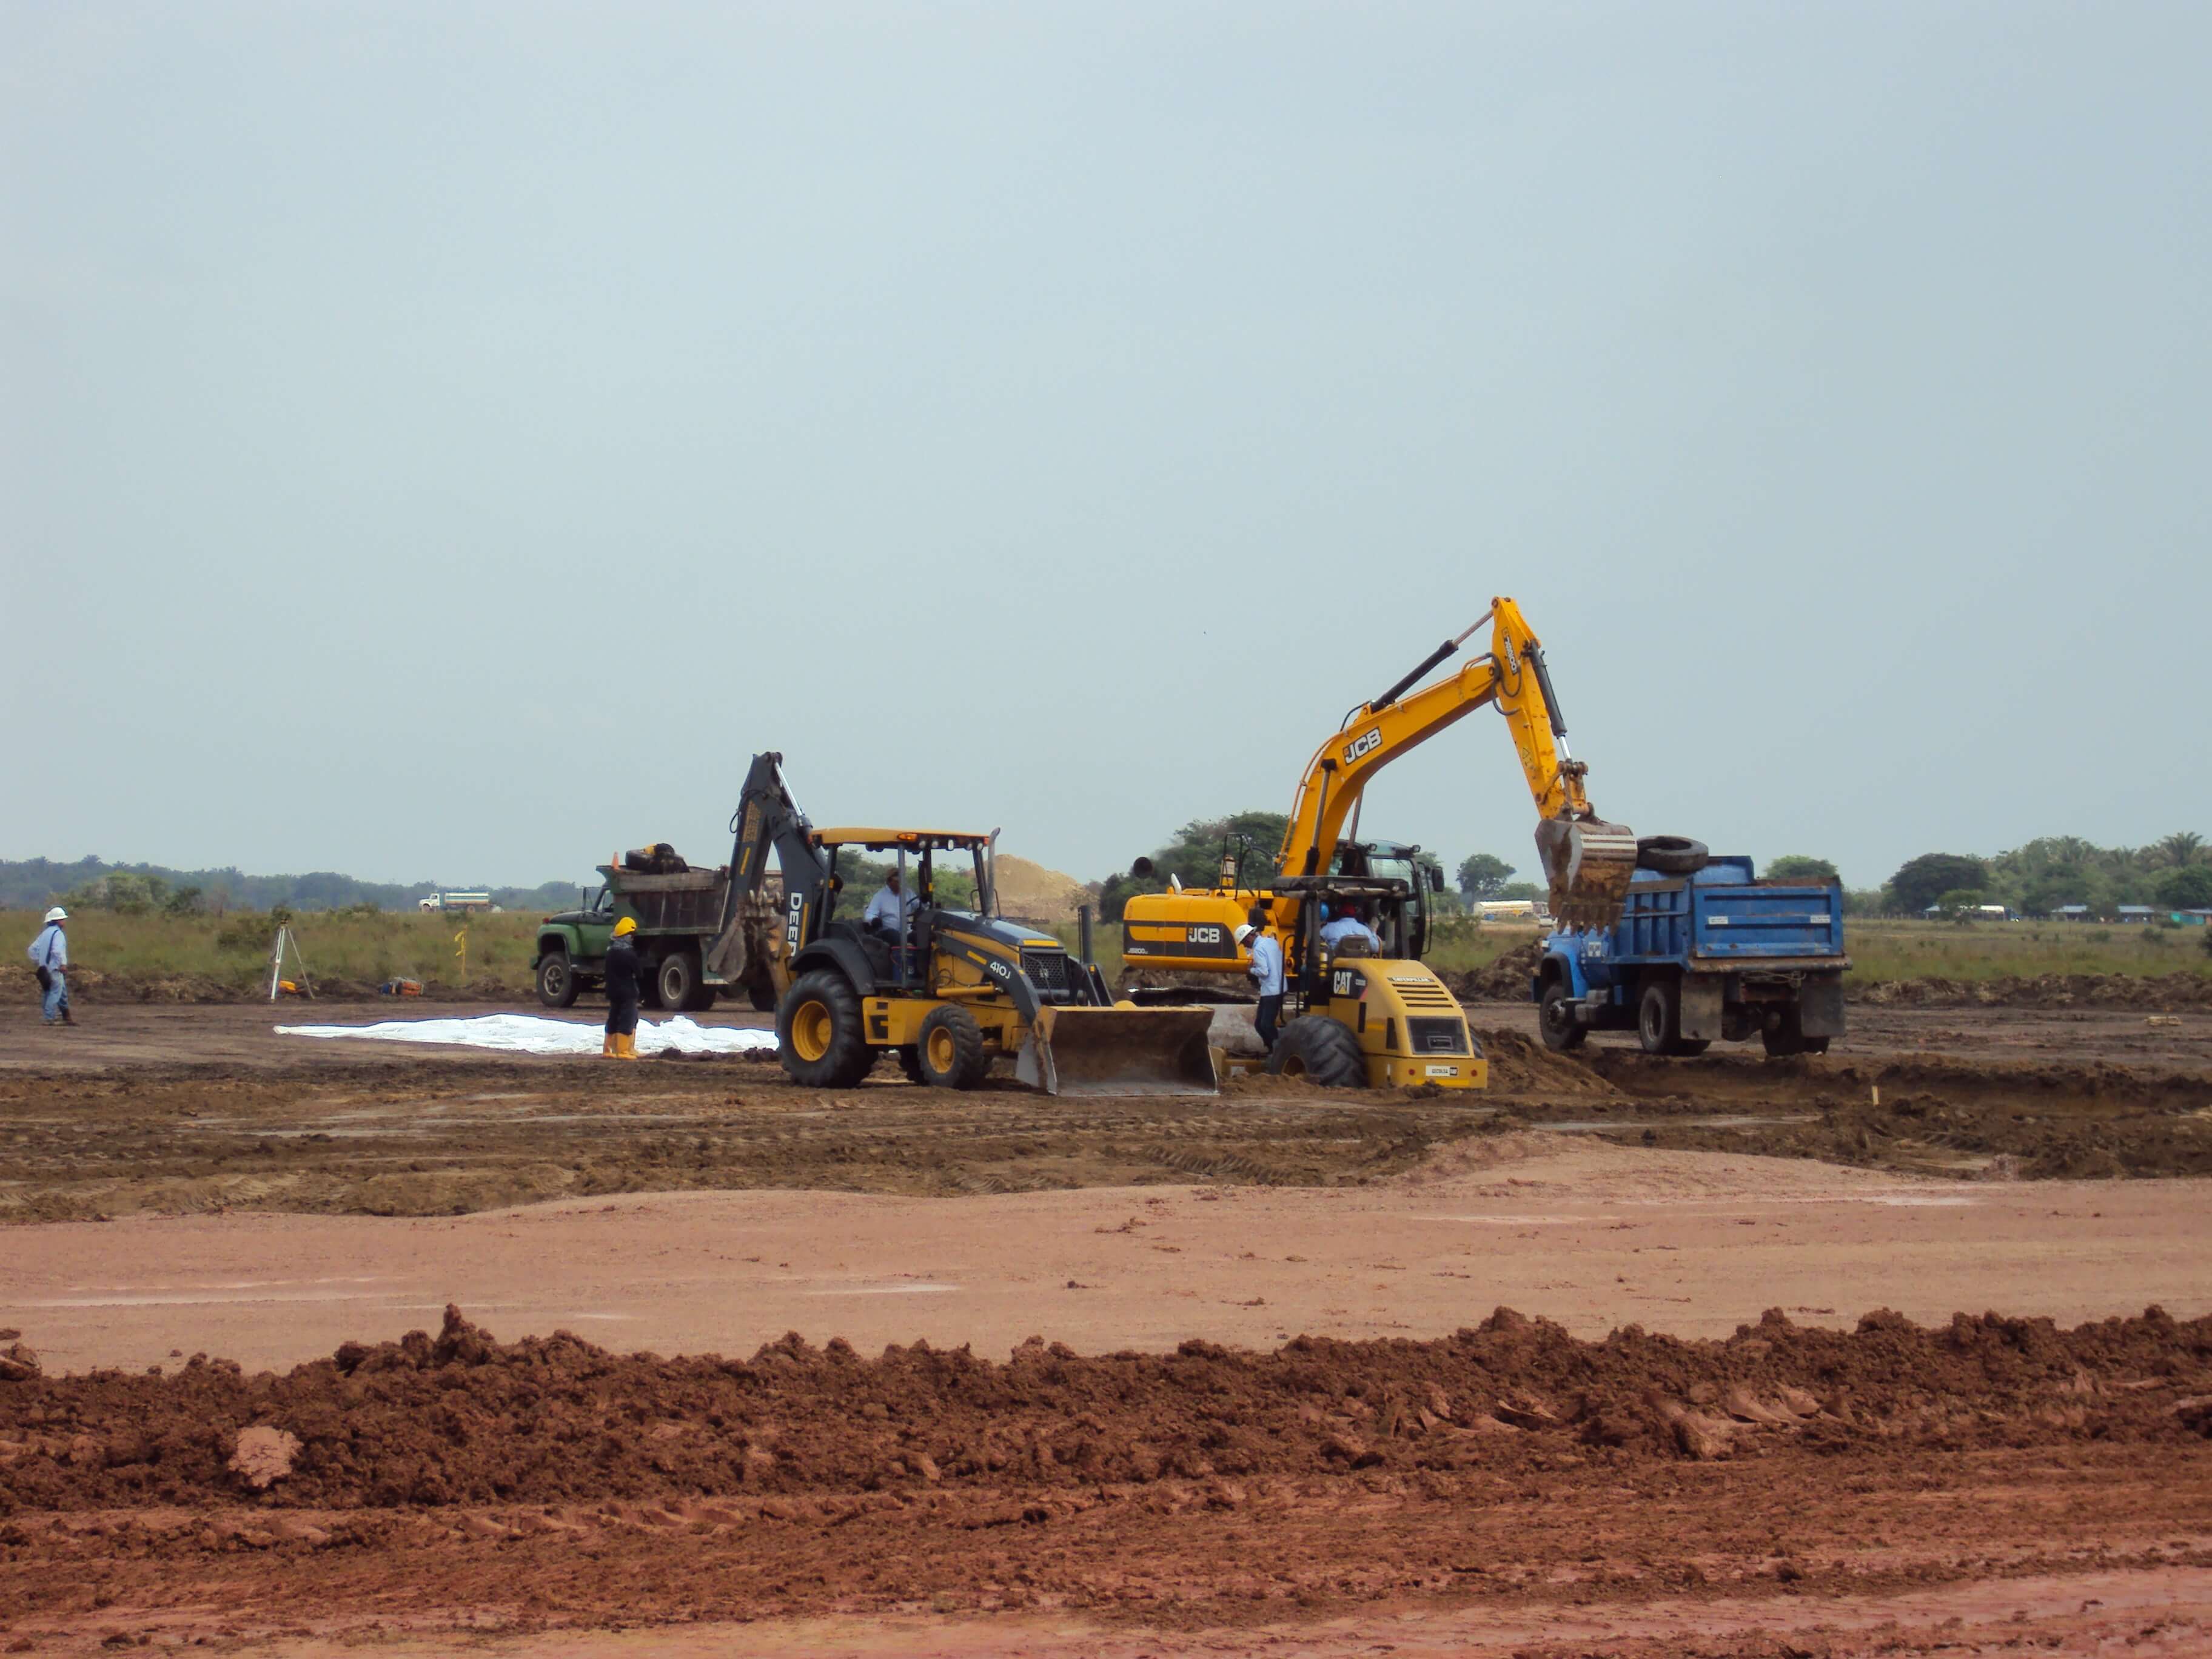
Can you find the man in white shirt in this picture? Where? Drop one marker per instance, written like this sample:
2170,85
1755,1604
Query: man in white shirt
49,955
1265,974
887,912
1348,926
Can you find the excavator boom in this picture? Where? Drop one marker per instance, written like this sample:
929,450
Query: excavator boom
1587,861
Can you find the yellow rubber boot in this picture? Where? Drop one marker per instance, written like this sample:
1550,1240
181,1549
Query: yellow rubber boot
607,1049
627,1046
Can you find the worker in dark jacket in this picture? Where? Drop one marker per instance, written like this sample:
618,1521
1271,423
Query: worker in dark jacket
625,982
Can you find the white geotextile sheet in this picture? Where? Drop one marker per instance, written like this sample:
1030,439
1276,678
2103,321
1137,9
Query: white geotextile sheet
527,1034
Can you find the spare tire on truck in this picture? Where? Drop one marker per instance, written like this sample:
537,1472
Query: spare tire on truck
1671,855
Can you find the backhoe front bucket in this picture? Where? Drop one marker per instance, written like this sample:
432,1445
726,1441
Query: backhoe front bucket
1588,863
1119,1051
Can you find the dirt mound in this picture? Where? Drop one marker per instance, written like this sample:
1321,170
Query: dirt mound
462,1418
2160,991
1030,892
1520,1065
1505,979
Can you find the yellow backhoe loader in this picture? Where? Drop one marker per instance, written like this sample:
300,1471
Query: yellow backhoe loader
943,988
1394,1021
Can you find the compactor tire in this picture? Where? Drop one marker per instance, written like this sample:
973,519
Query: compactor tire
1659,1017
1671,855
1559,1029
819,1034
1321,1050
556,980
950,1054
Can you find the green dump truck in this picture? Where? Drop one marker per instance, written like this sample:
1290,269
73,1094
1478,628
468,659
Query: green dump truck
679,914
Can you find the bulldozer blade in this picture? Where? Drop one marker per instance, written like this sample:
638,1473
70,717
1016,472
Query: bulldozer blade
1589,864
1119,1051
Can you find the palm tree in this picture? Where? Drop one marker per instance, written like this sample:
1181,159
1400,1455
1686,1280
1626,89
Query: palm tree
2183,846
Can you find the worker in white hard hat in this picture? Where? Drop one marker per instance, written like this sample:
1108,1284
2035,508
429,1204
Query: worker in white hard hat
50,955
1265,974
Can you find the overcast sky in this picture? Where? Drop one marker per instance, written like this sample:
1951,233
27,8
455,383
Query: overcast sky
443,441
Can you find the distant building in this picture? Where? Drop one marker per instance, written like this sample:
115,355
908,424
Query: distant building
2142,913
2070,913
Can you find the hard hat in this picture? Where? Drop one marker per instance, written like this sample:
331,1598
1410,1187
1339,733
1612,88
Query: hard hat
1244,932
57,914
627,925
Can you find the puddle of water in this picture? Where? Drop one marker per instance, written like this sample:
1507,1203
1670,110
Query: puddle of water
1617,1126
889,1290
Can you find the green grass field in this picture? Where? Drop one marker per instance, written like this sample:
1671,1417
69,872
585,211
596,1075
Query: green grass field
233,950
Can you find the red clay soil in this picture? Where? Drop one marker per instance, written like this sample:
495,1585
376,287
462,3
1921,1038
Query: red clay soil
456,1479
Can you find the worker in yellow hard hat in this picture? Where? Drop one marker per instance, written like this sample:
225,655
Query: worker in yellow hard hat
625,977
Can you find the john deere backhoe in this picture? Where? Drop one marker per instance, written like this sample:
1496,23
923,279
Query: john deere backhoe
953,989
1387,1018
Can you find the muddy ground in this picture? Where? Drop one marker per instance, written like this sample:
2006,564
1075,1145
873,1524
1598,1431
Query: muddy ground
246,1120
1754,1494
1990,1484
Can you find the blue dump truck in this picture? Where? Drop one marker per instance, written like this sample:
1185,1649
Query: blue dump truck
1707,953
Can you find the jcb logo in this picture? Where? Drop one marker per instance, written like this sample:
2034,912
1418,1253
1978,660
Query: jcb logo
1203,935
1362,745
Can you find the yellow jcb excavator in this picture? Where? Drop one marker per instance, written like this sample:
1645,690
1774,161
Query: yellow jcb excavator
1387,1019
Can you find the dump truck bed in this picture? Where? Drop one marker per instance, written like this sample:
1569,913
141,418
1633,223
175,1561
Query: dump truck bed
1720,919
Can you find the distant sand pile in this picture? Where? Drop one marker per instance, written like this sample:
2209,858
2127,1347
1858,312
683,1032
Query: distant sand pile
1031,893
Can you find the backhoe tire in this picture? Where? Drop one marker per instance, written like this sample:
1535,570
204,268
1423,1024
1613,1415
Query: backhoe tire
1321,1050
557,981
681,984
762,994
1555,1019
1671,855
1659,1017
951,1051
819,1034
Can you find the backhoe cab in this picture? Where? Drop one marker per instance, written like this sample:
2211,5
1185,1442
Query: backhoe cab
1380,1019
958,986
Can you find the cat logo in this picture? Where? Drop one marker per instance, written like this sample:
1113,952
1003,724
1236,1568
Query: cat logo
1342,986
1367,744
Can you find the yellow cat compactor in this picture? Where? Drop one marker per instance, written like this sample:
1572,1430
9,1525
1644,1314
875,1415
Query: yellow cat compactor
1387,1019
958,987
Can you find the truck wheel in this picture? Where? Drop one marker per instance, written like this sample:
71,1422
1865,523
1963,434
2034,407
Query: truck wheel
1659,1017
1671,855
648,987
819,1036
951,1049
1321,1050
1555,1017
682,985
1789,1038
762,994
556,980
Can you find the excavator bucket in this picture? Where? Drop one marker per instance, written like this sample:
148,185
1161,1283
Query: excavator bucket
1588,863
1119,1051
